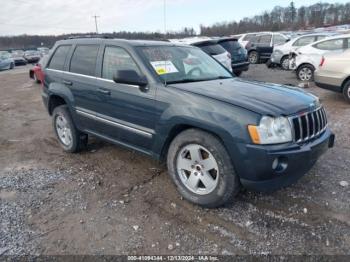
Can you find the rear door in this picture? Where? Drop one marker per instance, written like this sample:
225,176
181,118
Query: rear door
264,45
126,112
80,78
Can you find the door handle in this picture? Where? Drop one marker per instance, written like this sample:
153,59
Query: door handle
104,91
68,83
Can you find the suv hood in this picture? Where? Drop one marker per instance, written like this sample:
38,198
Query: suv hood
259,97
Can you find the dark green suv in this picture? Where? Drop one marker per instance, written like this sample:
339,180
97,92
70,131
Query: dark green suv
177,104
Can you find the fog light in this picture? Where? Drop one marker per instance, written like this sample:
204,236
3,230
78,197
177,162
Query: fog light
280,164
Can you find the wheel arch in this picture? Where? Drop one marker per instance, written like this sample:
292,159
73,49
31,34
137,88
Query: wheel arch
55,101
305,64
179,128
345,82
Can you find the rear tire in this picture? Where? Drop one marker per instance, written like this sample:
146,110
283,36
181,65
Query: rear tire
305,72
253,57
69,137
200,167
346,91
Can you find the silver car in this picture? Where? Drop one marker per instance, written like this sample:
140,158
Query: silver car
6,61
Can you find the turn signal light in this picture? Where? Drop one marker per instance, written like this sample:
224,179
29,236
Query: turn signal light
254,134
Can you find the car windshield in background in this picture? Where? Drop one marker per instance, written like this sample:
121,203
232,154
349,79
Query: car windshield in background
5,55
31,52
177,64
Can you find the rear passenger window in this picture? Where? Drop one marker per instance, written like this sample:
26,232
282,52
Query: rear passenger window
114,59
84,60
59,58
335,44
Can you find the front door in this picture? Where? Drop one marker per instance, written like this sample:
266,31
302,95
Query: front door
127,112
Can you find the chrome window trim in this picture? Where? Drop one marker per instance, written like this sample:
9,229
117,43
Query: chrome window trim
115,122
90,77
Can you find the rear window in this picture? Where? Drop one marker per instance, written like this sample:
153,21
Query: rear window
212,49
59,58
304,41
231,45
84,60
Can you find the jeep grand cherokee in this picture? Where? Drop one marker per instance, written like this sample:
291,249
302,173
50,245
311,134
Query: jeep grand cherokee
216,132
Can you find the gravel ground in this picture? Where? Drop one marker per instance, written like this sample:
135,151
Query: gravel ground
108,200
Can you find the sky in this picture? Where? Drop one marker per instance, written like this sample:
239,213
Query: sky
47,17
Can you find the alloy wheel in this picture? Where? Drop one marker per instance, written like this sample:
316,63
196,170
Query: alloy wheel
63,130
198,169
305,74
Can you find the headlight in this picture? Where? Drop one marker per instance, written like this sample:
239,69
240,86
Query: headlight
271,131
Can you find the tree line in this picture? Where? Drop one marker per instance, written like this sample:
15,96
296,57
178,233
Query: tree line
284,18
278,19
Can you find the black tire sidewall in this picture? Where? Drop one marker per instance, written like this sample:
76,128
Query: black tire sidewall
346,91
228,184
257,57
306,66
64,111
282,60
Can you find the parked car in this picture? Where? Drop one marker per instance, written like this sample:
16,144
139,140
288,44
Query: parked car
176,103
306,59
36,73
6,61
239,56
43,51
334,73
17,56
211,47
32,56
261,46
280,54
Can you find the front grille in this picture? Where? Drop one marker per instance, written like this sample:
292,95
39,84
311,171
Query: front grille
309,125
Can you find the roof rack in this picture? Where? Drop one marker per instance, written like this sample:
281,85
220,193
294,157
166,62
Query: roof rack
88,36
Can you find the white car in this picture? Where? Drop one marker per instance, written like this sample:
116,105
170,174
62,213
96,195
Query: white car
306,59
211,47
280,54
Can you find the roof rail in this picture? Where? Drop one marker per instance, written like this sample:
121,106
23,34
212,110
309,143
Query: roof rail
88,36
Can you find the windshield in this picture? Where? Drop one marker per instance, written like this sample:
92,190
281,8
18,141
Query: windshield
181,64
5,55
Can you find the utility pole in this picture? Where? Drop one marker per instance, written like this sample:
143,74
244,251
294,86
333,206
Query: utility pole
96,17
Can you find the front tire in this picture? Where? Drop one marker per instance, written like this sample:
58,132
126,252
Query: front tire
346,91
285,63
12,65
69,137
200,167
305,72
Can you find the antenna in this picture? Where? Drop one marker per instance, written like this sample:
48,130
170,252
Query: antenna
165,35
96,17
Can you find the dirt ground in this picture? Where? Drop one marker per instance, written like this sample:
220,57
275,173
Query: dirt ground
109,200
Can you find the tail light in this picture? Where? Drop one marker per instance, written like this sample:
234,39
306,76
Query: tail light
322,61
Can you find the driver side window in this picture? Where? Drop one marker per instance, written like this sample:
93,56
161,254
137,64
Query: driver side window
114,59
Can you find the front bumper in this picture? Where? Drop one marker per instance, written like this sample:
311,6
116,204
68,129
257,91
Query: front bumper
297,159
239,67
276,58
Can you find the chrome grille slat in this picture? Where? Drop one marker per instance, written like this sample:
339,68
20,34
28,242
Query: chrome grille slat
308,125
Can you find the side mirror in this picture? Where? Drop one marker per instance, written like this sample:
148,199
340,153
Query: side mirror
129,77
